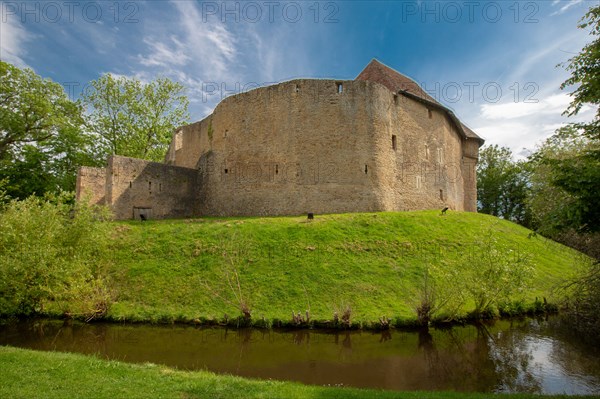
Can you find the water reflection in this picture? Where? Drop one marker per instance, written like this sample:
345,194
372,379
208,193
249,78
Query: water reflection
506,356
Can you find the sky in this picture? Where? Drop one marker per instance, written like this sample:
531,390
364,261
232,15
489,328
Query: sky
493,62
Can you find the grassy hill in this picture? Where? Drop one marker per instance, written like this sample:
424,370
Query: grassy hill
372,263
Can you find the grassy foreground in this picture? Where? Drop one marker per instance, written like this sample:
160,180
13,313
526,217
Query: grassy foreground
194,270
31,374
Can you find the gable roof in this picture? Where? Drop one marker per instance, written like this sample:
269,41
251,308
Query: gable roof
396,82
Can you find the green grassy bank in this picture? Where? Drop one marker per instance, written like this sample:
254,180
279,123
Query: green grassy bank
32,374
198,270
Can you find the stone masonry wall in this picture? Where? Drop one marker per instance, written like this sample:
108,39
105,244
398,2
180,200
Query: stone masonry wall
313,146
157,190
423,162
322,146
91,183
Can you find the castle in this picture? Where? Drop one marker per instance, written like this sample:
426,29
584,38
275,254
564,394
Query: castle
375,143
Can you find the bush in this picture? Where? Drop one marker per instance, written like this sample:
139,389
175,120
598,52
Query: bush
582,306
49,258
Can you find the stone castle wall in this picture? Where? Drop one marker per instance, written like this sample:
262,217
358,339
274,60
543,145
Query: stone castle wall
91,185
135,186
309,146
321,146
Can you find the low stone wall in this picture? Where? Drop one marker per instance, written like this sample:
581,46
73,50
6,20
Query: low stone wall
135,186
91,185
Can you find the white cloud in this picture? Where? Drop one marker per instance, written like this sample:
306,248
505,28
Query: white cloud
210,45
12,41
554,104
163,54
564,8
518,126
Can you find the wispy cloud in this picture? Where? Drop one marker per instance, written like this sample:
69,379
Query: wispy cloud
554,104
569,4
13,39
165,55
212,46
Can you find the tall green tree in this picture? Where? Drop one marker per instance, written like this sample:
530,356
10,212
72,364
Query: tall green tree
502,185
135,119
42,141
32,110
564,182
579,174
585,75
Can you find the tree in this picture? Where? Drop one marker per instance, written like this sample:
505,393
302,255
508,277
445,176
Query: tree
502,185
135,119
585,72
32,110
549,204
579,174
41,137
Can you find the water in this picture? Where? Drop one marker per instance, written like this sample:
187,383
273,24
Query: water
506,356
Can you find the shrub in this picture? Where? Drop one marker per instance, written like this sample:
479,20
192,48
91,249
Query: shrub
582,306
49,258
493,272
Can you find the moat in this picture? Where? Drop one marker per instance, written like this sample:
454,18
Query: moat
523,355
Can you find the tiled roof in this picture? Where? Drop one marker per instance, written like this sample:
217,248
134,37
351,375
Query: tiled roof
399,83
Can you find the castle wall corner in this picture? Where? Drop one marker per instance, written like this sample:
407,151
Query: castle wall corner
91,185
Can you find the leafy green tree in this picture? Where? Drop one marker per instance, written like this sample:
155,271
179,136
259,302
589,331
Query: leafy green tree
548,203
578,174
564,183
502,185
41,137
135,119
585,74
32,110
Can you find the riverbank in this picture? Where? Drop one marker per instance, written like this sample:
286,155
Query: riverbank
369,270
32,374
350,270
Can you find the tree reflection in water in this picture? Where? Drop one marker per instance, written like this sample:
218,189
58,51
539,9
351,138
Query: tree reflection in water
505,356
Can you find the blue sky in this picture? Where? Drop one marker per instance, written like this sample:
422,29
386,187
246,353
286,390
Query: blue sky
492,62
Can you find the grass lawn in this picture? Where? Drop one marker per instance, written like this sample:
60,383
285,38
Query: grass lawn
183,270
31,374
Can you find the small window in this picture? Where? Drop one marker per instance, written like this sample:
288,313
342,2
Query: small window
297,89
159,187
340,88
226,171
129,184
225,134
429,113
394,143
150,186
276,169
396,99
442,195
366,169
